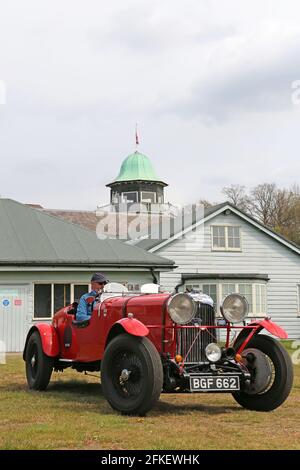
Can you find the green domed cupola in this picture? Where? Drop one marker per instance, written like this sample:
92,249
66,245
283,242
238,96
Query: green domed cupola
137,182
137,167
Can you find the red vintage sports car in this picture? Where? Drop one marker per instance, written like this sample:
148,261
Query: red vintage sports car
149,343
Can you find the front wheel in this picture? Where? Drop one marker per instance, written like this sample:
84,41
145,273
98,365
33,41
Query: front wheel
38,366
271,372
131,374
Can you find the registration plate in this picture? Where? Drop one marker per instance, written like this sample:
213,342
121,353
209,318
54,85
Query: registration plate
202,383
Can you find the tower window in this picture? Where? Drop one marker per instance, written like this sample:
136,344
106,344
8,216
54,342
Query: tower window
130,196
148,196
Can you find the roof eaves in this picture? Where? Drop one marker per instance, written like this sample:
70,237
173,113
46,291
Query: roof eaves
168,263
280,238
136,180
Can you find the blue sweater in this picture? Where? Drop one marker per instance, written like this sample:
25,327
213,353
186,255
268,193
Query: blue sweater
84,310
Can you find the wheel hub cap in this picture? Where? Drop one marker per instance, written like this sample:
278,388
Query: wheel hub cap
33,361
260,369
125,374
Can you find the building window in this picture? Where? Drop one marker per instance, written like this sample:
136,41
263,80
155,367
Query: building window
211,290
246,291
62,296
42,300
130,196
208,289
49,298
133,287
260,298
226,238
234,239
255,294
148,196
219,241
228,289
79,290
190,287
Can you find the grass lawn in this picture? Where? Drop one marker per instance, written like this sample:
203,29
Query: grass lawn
72,414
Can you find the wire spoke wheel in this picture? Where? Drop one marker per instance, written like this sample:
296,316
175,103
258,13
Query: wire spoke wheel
33,359
271,375
38,366
127,374
131,374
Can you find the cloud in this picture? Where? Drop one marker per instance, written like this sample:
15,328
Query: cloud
80,74
150,28
255,76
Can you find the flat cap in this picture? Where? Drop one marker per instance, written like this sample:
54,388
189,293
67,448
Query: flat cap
99,277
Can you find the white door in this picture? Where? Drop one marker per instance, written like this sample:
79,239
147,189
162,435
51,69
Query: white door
13,316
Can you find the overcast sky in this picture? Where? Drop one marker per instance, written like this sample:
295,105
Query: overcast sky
209,83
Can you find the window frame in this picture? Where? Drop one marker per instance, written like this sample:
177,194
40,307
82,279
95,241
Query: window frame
298,297
72,294
226,247
209,284
34,318
236,283
52,295
132,192
148,202
53,288
132,285
258,289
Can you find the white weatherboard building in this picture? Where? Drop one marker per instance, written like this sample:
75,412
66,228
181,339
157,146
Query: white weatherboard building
228,251
46,263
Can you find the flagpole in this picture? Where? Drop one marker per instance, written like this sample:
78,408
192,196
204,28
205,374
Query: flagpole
136,138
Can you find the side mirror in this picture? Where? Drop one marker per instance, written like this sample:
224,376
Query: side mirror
90,300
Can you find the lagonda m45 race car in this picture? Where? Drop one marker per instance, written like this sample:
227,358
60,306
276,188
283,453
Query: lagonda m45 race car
149,343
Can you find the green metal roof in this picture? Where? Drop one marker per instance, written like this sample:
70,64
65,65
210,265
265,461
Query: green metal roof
137,167
31,237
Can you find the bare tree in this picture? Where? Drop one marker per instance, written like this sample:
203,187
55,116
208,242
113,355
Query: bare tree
277,208
288,213
206,203
283,208
263,202
236,195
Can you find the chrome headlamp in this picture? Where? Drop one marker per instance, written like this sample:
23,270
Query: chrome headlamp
213,352
181,308
234,308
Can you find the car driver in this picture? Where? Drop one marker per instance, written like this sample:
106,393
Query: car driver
84,309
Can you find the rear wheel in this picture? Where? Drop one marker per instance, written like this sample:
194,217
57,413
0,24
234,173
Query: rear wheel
271,375
38,366
131,374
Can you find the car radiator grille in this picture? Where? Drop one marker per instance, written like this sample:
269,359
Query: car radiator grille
191,342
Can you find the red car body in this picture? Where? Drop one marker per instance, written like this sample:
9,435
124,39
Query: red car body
179,348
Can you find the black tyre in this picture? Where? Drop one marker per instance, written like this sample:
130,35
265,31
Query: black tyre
279,384
131,374
38,366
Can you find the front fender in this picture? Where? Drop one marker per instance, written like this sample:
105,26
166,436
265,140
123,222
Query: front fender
272,328
133,326
49,339
247,334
